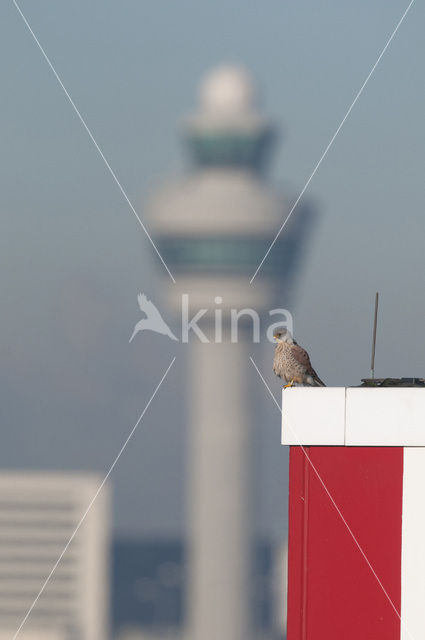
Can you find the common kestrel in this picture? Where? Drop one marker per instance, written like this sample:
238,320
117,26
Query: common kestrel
292,363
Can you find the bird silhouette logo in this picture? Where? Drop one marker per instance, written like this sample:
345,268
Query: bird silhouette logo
153,320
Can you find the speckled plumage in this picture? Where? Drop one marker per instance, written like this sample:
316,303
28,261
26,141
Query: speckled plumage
292,364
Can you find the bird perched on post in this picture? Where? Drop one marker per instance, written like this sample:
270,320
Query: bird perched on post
292,363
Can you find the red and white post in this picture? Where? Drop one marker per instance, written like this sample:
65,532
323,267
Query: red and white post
356,565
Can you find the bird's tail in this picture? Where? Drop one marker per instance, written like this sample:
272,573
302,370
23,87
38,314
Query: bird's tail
133,334
317,381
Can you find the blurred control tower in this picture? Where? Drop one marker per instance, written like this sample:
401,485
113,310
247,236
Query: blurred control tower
213,227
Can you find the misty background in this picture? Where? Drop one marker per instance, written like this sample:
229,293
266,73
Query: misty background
73,256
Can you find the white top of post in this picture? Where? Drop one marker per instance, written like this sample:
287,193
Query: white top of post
353,416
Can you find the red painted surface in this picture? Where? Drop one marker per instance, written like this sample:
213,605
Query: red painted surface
332,593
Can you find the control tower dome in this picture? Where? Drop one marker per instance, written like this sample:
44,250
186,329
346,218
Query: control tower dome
227,91
228,129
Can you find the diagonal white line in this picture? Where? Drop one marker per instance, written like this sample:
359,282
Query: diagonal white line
83,122
341,124
347,526
111,468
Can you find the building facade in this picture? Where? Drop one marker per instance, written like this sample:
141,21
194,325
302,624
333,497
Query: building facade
39,512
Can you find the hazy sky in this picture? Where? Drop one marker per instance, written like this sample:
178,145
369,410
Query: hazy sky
73,256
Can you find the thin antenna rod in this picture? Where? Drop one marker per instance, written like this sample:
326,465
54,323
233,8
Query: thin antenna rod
375,321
